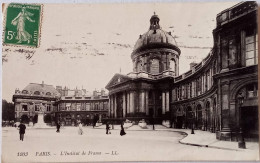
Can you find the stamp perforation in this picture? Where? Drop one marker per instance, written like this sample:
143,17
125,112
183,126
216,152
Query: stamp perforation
39,27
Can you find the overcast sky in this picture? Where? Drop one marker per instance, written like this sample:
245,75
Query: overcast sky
84,45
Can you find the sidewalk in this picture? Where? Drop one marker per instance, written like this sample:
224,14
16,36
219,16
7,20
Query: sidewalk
200,138
208,139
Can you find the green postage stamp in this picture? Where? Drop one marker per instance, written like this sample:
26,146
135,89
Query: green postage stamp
22,24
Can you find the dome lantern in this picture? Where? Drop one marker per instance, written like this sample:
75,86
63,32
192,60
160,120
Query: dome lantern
154,22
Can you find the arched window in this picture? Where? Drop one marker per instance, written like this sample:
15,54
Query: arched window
24,92
155,66
139,66
48,94
172,65
37,93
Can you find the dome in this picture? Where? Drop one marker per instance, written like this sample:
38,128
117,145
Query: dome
40,89
155,37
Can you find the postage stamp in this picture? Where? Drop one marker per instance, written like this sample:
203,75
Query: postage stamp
129,82
22,24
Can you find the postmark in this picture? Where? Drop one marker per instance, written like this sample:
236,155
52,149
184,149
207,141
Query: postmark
22,24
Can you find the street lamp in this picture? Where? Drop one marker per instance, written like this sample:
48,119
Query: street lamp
192,123
241,142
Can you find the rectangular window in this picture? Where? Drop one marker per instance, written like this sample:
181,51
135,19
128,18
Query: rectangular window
68,105
96,106
48,108
78,106
37,108
88,106
252,91
83,106
105,106
251,41
101,105
24,108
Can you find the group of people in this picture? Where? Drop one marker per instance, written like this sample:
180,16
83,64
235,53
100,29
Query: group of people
22,129
122,131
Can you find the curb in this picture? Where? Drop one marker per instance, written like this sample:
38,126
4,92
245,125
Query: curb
200,145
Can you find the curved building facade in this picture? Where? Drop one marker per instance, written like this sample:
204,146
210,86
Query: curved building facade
219,94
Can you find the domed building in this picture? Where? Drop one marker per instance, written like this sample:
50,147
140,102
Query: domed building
219,94
144,93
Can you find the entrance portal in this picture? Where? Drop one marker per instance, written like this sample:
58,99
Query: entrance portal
249,120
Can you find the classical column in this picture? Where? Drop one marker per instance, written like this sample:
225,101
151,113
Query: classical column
243,48
131,102
202,83
163,103
112,106
124,104
146,102
115,105
142,102
128,102
211,77
109,104
167,100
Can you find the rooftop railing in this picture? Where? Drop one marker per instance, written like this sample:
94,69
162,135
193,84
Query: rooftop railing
235,12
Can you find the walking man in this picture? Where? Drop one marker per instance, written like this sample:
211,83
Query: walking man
107,128
22,128
58,126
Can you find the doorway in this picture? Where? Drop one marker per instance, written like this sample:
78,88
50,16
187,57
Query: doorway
249,122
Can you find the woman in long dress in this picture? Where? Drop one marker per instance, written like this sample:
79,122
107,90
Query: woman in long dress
80,128
19,20
122,132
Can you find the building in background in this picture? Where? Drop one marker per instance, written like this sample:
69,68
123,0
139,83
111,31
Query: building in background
219,94
66,105
32,99
75,105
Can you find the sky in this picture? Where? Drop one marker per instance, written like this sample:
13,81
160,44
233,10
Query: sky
84,45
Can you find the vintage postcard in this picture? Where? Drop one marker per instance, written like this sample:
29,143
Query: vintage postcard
105,82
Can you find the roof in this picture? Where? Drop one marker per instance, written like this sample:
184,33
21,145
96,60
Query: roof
43,89
117,79
155,35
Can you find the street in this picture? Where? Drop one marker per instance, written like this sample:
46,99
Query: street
45,145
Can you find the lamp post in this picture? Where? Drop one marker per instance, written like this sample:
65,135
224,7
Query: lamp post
192,123
241,142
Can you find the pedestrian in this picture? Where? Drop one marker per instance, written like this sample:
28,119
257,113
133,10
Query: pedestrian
122,132
58,126
94,121
108,128
80,128
22,128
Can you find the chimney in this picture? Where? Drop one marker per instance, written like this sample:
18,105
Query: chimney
42,83
102,92
94,93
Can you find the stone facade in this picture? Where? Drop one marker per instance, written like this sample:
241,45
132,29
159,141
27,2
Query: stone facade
66,105
145,92
81,106
33,99
217,95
